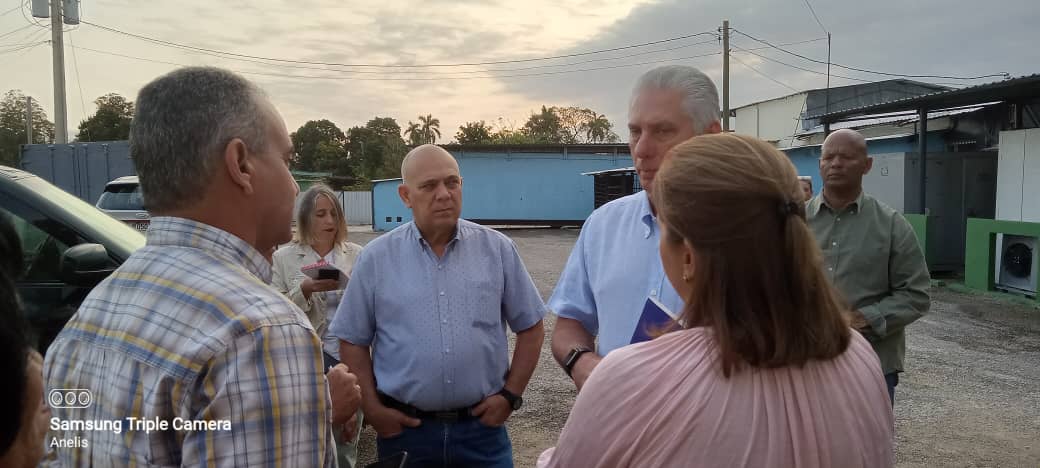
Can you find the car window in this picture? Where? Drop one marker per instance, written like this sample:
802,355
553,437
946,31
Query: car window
43,243
121,197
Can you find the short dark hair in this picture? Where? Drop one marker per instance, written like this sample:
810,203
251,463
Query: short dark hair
182,122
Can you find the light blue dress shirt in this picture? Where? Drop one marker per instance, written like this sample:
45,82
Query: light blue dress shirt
437,326
612,270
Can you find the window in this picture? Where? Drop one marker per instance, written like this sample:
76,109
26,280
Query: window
43,243
121,197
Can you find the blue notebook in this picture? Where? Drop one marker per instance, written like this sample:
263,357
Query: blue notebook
656,318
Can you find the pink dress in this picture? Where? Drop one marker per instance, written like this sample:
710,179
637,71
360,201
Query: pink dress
665,403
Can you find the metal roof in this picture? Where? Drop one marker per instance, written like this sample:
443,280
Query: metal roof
619,170
896,118
1021,88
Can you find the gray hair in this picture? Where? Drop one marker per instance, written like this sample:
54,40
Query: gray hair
182,123
700,98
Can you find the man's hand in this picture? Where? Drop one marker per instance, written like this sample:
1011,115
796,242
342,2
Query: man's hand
346,393
857,321
389,422
493,411
587,362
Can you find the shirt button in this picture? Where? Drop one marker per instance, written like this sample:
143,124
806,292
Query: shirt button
830,269
839,219
447,351
440,267
444,321
653,293
442,293
448,381
834,244
646,233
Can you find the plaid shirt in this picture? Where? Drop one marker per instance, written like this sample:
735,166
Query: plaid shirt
189,330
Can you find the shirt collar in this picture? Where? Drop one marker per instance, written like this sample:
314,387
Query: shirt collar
182,232
818,202
414,229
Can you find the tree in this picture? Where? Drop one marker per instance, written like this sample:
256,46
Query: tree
600,130
12,126
377,148
544,127
431,128
414,134
110,122
321,146
474,133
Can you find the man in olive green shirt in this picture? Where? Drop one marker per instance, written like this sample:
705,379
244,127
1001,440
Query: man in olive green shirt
870,252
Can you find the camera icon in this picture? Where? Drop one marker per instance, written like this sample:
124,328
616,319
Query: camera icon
70,398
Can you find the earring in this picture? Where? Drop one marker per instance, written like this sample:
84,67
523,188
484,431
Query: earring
686,277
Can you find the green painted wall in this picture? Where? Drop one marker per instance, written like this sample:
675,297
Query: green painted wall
980,247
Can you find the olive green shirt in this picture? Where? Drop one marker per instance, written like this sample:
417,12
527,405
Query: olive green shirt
871,255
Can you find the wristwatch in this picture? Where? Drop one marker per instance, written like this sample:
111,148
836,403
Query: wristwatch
572,358
515,401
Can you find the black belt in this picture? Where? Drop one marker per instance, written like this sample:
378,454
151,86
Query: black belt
452,415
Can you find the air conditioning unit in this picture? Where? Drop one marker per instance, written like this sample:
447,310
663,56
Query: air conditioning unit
1017,264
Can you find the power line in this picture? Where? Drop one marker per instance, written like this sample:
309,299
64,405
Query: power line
23,28
348,78
771,59
811,10
863,70
305,62
24,47
79,82
749,67
19,7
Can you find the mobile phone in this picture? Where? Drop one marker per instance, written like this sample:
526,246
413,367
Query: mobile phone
328,274
396,460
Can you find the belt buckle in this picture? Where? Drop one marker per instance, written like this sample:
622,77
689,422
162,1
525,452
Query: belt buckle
446,416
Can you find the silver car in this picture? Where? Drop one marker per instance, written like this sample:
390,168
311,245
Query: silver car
122,200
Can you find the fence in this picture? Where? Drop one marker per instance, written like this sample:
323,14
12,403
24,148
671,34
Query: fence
357,206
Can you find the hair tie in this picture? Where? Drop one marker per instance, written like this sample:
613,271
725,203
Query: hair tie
788,208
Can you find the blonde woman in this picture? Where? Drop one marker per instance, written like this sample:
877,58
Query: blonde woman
321,234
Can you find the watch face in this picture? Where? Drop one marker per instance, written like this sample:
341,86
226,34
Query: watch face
517,403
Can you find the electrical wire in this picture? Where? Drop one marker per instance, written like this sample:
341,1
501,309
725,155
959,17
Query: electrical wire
23,28
305,62
874,72
19,7
79,82
771,59
347,78
817,18
774,80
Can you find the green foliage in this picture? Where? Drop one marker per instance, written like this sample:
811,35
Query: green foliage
110,122
12,126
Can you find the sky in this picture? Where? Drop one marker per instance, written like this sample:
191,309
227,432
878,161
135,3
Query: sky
953,38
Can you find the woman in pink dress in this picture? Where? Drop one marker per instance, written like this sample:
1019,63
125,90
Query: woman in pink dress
765,370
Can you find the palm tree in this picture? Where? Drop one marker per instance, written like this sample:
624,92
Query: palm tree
414,133
598,130
431,128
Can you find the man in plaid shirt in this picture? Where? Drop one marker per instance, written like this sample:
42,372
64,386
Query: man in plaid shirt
186,345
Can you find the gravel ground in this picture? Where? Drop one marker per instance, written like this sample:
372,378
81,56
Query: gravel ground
970,396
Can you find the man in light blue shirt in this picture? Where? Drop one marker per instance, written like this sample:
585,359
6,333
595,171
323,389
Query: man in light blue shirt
615,264
432,299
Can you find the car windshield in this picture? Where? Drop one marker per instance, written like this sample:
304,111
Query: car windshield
125,239
121,197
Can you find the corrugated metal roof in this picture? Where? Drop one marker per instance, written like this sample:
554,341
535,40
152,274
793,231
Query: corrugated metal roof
890,118
611,171
1014,88
883,137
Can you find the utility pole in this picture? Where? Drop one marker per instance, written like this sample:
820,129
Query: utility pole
725,75
28,120
827,102
61,134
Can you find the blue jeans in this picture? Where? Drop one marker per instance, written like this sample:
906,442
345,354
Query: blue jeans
461,444
891,380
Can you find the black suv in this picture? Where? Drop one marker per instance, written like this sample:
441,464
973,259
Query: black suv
69,247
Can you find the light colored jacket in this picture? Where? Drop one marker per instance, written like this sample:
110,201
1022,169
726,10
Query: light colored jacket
287,278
